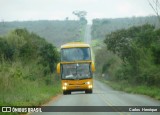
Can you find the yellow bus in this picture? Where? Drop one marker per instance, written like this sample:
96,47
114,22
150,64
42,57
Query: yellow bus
76,67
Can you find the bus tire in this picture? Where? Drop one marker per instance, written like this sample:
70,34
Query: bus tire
69,92
64,92
88,91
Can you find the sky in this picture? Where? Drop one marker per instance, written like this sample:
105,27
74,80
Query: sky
23,10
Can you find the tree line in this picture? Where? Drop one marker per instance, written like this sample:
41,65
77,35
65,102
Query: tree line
132,55
28,48
101,27
54,31
27,69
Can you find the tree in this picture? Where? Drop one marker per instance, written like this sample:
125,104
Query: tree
139,49
81,15
155,5
6,50
50,56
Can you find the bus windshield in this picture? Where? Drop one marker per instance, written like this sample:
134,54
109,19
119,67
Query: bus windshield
75,54
76,71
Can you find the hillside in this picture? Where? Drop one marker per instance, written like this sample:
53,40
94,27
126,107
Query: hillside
59,32
102,27
55,32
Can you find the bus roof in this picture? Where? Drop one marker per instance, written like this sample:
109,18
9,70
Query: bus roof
75,44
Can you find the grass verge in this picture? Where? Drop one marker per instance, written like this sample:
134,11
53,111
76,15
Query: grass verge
28,94
151,91
18,89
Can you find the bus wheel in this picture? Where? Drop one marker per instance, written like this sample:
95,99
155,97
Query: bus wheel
69,92
88,91
64,92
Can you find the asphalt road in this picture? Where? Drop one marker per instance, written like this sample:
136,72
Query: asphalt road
102,95
87,36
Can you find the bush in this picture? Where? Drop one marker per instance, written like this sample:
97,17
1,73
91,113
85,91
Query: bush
25,79
138,48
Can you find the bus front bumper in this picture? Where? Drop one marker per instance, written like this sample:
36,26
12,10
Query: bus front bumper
77,87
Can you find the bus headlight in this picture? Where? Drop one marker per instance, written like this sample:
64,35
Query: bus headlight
64,87
90,86
65,84
88,83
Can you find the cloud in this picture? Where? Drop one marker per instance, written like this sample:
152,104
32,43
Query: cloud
60,9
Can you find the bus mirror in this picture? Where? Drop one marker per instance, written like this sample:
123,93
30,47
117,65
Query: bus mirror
58,68
93,67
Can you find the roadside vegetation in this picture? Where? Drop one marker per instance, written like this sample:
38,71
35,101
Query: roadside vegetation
28,59
27,69
131,60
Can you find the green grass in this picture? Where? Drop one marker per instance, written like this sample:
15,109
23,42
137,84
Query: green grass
151,91
28,93
17,90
